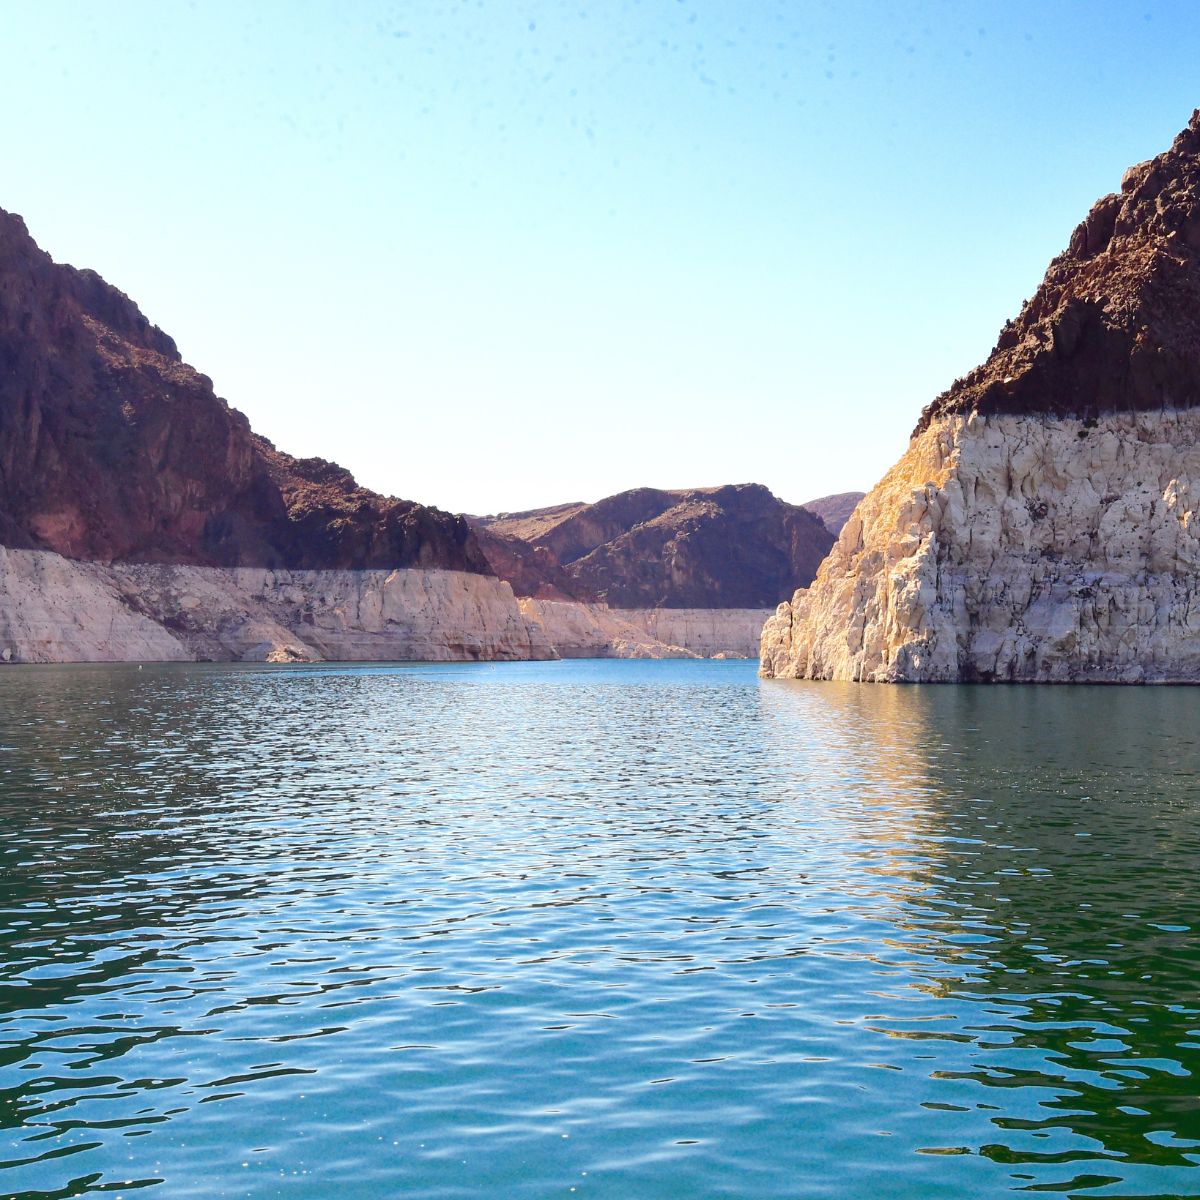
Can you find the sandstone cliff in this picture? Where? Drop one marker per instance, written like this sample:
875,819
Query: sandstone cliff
1043,524
732,547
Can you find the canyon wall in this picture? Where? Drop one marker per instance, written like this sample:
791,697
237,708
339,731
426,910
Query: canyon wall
112,448
55,609
142,518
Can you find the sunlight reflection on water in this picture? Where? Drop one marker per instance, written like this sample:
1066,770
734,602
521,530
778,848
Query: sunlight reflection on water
636,929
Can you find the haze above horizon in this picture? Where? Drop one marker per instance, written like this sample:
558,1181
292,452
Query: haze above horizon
498,256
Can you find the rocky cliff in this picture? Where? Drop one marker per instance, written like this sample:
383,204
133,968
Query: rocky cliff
141,518
55,609
1043,524
114,449
733,547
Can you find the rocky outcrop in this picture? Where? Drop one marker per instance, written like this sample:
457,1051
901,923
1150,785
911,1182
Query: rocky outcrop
733,547
579,630
141,518
54,609
834,511
1042,525
1115,324
114,449
1013,548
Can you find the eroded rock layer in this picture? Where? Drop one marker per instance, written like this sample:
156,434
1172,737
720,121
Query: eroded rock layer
55,609
581,630
1042,525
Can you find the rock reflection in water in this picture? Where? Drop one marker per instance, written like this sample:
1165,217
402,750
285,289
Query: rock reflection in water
1042,853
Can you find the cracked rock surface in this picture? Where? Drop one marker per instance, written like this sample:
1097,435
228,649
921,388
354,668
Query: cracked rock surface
1019,548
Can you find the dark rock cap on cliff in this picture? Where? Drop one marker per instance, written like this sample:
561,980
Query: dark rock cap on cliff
113,448
736,546
1115,324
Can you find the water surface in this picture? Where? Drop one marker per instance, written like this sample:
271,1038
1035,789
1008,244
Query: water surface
621,930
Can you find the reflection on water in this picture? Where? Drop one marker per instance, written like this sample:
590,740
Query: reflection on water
652,930
1050,903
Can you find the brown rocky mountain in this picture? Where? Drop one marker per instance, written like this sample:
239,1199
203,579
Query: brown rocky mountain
736,546
533,570
834,510
1115,324
113,448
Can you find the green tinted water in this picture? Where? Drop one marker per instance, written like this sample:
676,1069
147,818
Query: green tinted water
593,929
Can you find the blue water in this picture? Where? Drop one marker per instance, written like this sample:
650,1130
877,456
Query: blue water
593,929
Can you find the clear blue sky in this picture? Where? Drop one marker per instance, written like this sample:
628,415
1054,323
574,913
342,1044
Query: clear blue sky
497,255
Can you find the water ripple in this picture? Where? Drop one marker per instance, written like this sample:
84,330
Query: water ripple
593,929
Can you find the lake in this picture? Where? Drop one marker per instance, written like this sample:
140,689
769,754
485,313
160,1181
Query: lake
593,929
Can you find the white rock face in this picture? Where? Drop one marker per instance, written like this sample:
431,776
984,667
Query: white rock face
1023,548
579,630
54,609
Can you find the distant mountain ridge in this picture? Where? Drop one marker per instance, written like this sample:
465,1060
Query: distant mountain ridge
834,510
734,546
